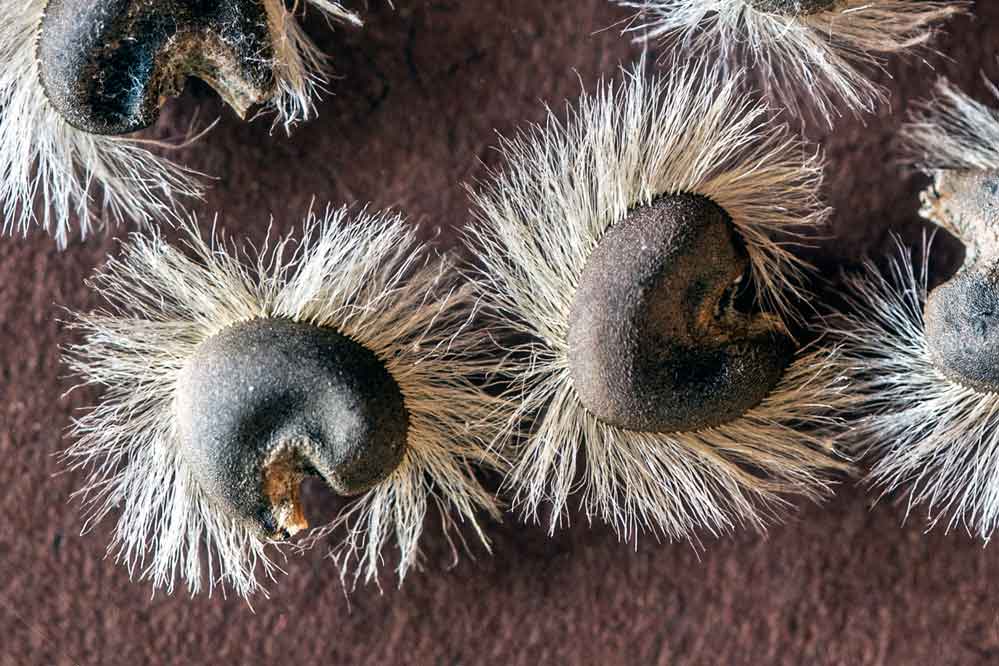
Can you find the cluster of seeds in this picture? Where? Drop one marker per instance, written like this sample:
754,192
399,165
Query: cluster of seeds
629,334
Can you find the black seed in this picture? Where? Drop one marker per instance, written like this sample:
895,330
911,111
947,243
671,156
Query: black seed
107,65
309,396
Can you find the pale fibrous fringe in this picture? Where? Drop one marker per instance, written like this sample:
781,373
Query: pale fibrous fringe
952,131
820,56
925,435
364,275
299,66
564,186
52,173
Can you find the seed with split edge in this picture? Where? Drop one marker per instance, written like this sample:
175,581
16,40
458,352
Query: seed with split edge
656,341
108,65
962,315
266,402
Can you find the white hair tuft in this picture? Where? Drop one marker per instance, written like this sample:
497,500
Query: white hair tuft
367,278
953,131
948,134
929,431
52,173
926,435
566,184
819,53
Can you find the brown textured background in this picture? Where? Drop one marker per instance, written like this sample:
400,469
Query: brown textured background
422,90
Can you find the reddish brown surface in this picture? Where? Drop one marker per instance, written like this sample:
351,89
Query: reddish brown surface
422,90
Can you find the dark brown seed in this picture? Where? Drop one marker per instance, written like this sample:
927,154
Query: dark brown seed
656,340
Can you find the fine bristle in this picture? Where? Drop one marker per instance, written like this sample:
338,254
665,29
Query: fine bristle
925,435
945,135
300,67
819,56
564,185
52,174
952,131
365,276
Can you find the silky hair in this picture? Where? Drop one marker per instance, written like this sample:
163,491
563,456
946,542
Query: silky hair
364,275
564,185
927,436
952,131
821,55
52,173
